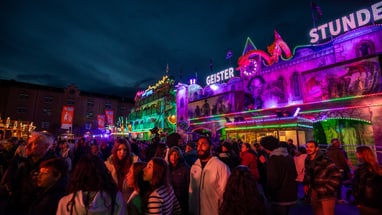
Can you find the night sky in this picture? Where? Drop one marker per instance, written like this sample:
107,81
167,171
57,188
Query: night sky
115,46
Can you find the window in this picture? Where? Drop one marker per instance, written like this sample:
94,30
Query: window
90,103
70,102
21,109
48,99
45,125
47,111
108,106
90,115
23,96
296,91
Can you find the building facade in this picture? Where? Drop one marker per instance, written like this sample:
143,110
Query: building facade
42,105
320,91
154,112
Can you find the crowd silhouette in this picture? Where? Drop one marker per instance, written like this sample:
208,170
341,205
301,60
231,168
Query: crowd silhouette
45,175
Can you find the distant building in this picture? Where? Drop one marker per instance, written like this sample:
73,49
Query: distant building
154,107
43,106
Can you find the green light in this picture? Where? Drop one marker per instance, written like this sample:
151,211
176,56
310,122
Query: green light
269,126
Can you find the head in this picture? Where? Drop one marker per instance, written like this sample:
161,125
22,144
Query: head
121,149
38,144
175,156
91,174
189,146
241,191
174,139
135,175
161,150
290,141
245,147
312,148
94,149
156,172
269,143
255,85
365,154
51,171
335,142
204,148
226,147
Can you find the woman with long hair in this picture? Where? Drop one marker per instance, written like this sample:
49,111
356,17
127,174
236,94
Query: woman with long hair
367,182
241,195
161,198
119,164
91,190
135,180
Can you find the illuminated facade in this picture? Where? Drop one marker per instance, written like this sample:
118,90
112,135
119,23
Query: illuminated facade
154,107
320,91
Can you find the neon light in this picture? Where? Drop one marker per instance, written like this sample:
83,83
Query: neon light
269,126
346,23
274,53
344,118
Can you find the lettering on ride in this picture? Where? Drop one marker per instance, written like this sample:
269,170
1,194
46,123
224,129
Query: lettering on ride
341,25
220,76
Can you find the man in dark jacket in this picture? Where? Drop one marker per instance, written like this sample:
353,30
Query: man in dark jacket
281,185
20,178
321,180
340,159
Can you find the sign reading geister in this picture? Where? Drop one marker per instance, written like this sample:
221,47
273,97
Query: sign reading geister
220,76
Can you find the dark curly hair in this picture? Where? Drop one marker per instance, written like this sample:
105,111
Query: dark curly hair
241,196
91,175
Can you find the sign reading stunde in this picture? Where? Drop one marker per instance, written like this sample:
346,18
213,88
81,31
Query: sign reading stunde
341,25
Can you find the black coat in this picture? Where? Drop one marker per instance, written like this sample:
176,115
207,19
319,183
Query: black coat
180,179
366,190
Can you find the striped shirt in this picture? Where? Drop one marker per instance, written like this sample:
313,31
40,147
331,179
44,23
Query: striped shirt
163,201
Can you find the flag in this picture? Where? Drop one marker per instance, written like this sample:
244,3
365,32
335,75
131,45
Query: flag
67,117
229,55
316,9
101,121
109,117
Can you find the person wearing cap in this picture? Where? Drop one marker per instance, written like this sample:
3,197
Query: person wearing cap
281,186
208,178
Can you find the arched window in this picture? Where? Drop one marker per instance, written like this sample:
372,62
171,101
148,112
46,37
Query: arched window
295,86
365,48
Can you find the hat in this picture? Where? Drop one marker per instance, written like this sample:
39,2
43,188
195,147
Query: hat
269,142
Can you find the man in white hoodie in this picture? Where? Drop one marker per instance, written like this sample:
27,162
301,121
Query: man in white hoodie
208,177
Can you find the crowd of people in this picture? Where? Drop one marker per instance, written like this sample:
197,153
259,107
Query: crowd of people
45,175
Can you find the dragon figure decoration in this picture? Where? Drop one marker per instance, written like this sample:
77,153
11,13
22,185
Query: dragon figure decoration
275,52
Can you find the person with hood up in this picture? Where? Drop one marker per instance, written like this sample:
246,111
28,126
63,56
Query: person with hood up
281,185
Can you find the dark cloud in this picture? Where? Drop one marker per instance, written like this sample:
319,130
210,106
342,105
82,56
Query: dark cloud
117,47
